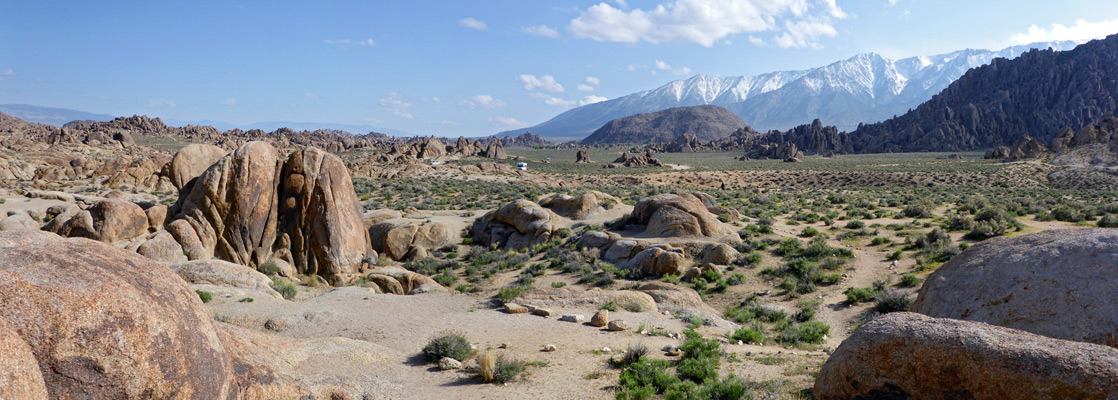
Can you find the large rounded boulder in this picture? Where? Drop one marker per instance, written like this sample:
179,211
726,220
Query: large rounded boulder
1056,283
401,239
677,215
516,225
232,206
320,214
581,206
20,377
907,355
191,161
105,323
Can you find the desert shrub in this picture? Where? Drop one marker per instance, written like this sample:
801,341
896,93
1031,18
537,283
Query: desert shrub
896,255
633,354
808,332
991,222
285,289
268,268
788,247
960,223
204,295
498,369
922,209
888,301
879,241
448,344
855,225
608,306
1108,221
644,378
510,292
558,284
753,334
855,295
806,310
809,232
909,280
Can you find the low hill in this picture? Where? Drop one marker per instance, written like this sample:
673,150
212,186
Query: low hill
705,123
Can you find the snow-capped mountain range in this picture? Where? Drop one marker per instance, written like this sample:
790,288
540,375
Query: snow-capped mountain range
862,89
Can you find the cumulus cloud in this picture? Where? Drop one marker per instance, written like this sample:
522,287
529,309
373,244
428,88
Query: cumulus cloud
756,40
484,101
506,121
541,30
395,105
5,75
473,24
697,21
558,102
592,80
892,3
310,95
156,103
1082,30
585,88
229,102
346,43
546,82
663,66
804,34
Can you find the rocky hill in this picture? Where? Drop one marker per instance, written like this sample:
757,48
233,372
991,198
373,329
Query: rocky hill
528,139
705,123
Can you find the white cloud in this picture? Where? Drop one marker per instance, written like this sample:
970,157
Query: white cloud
546,82
892,3
585,88
5,75
663,66
345,43
756,40
229,102
622,3
697,21
484,101
558,102
396,105
592,80
804,34
634,67
541,30
591,100
1082,30
160,103
539,95
447,122
506,121
310,95
473,24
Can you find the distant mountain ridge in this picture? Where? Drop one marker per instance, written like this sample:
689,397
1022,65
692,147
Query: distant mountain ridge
50,115
705,123
61,116
862,89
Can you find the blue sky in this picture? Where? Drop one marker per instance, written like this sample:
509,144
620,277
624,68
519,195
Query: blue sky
469,68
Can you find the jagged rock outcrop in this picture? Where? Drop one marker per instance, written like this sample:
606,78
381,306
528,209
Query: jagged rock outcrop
399,281
516,225
1052,283
626,160
527,139
656,261
581,206
582,157
495,150
250,208
907,355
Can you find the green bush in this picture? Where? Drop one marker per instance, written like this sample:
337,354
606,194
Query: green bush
753,334
879,241
204,295
505,370
808,332
285,289
909,280
448,344
809,232
855,295
510,292
608,306
1108,221
558,284
855,225
891,301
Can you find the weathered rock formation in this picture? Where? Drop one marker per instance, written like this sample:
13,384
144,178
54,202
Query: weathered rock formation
907,355
516,225
401,239
677,215
581,206
1056,283
250,208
